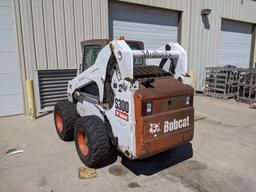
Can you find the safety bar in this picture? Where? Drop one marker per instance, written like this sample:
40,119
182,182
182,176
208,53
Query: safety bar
149,54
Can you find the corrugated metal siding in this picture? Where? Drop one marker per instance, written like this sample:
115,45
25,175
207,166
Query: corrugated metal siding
61,41
168,4
236,10
50,34
79,28
53,29
254,47
40,43
27,30
70,33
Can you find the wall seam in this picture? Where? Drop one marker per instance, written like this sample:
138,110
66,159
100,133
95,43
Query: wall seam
33,29
92,11
33,37
101,25
65,33
46,53
54,26
83,19
74,17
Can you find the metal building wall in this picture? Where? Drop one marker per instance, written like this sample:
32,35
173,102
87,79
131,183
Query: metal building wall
50,31
204,43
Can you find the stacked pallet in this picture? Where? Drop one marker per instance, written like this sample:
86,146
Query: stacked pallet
221,82
247,86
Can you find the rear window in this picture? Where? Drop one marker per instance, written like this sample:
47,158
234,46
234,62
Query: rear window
135,46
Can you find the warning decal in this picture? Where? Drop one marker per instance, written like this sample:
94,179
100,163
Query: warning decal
121,115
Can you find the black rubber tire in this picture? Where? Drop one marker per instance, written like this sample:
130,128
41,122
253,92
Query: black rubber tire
100,149
69,115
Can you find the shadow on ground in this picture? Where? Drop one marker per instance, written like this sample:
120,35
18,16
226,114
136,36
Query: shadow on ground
159,162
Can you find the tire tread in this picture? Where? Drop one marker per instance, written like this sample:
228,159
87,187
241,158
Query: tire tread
69,117
100,148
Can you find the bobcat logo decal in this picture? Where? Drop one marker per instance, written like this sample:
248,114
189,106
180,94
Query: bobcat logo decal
154,128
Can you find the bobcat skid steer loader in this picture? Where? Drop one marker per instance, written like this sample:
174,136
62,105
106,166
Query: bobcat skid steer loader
128,99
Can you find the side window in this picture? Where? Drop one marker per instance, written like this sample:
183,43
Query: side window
90,53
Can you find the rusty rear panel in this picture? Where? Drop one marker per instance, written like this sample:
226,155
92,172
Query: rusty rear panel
168,97
161,118
155,143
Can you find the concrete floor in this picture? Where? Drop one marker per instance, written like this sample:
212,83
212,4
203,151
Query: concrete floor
223,150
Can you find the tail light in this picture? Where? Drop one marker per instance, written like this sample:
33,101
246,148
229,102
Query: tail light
189,100
147,108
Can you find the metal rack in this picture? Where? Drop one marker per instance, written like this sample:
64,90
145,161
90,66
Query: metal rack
247,86
221,82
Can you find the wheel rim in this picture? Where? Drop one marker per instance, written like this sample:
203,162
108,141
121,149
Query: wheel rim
59,122
82,142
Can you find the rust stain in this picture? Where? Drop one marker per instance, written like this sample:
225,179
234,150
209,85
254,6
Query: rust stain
138,132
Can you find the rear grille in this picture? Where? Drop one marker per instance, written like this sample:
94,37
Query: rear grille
148,71
53,86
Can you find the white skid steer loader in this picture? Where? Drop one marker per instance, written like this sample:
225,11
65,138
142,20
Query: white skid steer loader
126,98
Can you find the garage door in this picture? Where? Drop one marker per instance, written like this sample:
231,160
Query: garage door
235,43
11,100
155,27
